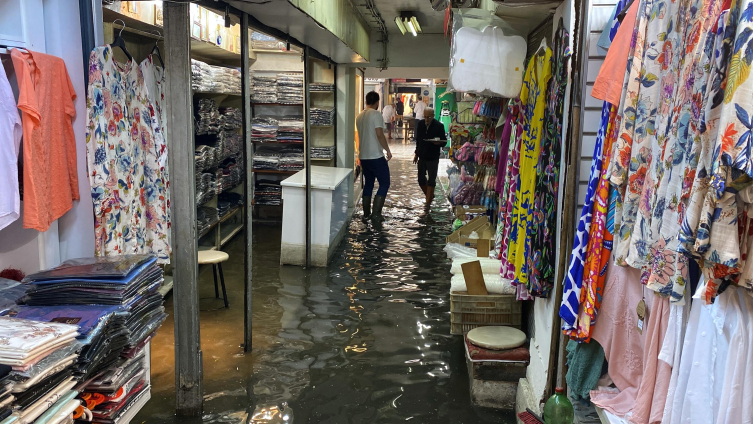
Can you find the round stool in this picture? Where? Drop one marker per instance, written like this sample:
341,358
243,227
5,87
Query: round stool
497,338
215,258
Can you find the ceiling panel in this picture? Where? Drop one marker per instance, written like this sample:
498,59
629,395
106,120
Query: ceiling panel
431,21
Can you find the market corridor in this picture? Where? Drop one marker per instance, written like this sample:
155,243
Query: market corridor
366,340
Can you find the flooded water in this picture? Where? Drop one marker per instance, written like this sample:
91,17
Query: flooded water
365,340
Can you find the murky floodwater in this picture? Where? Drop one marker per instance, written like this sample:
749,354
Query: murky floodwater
366,340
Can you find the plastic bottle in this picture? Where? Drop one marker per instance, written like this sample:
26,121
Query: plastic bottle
558,409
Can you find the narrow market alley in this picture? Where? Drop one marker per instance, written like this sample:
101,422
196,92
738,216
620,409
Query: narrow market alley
366,340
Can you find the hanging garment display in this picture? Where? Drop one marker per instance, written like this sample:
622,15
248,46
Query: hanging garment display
10,143
124,174
45,98
540,253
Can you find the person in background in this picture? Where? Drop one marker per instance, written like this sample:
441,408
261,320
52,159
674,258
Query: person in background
399,107
371,153
419,109
430,137
388,113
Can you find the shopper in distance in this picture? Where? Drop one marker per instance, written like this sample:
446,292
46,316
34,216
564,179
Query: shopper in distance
430,137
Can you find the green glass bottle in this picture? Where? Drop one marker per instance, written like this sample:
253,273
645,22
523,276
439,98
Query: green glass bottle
558,409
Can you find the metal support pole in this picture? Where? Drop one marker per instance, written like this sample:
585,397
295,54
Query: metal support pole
307,151
188,360
248,189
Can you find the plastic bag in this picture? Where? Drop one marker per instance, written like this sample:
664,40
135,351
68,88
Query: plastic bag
486,56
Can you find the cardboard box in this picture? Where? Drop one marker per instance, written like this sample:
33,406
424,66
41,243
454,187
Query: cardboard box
466,212
480,225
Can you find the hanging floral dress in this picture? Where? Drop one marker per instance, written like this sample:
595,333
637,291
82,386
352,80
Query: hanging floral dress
121,145
534,99
540,258
512,177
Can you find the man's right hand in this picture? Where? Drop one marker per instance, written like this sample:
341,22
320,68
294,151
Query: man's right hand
415,159
389,155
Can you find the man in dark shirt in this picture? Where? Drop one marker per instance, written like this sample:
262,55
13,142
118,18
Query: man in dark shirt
430,137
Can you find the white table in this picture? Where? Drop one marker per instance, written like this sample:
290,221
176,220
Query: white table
330,193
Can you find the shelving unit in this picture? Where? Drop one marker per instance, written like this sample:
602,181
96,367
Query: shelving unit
322,135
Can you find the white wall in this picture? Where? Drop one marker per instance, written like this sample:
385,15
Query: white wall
426,50
442,72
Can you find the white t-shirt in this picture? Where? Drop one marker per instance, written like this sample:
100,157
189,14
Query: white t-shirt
387,113
366,124
419,109
10,141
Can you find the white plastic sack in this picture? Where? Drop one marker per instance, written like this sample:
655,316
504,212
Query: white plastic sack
457,250
495,284
487,62
488,265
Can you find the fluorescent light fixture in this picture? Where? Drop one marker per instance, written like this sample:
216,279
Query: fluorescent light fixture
411,28
400,25
414,21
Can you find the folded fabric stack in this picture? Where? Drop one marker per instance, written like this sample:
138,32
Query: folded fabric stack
227,202
229,175
10,292
214,79
267,192
205,156
322,117
290,88
291,158
207,117
323,152
205,218
261,41
206,187
36,370
264,129
321,87
267,158
290,130
231,118
116,303
265,89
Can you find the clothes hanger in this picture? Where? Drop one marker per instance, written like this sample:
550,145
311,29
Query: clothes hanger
156,47
542,47
120,42
620,16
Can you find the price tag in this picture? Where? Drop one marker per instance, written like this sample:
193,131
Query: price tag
641,311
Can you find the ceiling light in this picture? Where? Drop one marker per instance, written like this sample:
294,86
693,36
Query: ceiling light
414,21
411,28
400,25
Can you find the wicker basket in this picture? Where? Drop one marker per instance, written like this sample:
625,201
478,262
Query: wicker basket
470,311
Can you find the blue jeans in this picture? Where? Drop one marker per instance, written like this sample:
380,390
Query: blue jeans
375,169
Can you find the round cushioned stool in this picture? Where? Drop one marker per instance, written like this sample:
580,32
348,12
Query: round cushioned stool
215,258
497,338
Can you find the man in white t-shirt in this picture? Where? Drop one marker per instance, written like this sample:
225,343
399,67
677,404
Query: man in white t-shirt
372,146
419,109
388,113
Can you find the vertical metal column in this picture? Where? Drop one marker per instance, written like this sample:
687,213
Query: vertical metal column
307,151
188,360
248,189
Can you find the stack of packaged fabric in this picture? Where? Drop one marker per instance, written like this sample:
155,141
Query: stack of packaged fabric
205,157
207,117
321,87
291,158
323,152
229,175
290,88
116,304
214,79
227,202
290,130
264,129
267,192
205,218
265,89
322,117
230,144
261,41
206,187
231,118
267,158
37,360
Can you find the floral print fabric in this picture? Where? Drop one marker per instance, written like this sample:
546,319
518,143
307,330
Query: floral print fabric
124,146
540,258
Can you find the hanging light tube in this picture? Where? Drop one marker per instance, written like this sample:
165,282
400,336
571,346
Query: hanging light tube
414,21
411,28
400,25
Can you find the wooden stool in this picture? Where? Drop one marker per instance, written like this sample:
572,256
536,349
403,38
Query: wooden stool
215,257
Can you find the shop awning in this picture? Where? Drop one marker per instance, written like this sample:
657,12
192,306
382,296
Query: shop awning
339,33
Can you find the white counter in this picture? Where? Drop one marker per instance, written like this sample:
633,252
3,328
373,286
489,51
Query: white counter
330,193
